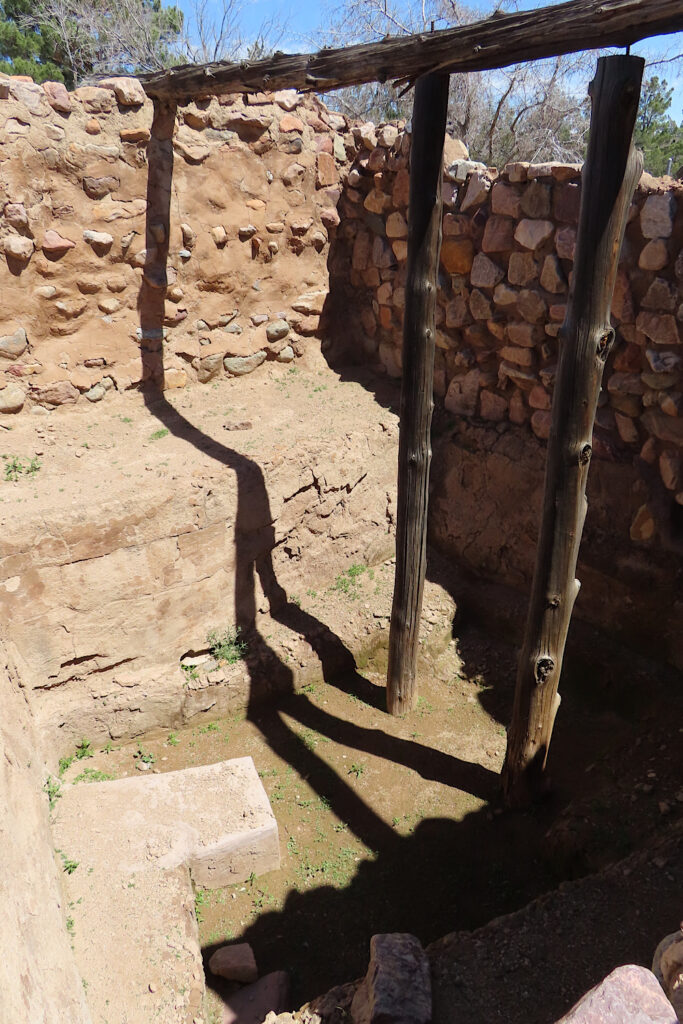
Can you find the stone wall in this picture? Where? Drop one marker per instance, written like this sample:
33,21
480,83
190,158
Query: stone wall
506,262
253,194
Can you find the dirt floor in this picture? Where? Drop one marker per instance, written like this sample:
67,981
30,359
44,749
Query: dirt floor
385,824
394,824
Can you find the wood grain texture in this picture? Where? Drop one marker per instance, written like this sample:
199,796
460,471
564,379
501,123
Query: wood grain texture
417,403
492,43
610,175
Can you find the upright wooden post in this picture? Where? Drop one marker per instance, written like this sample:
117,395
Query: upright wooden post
610,175
419,328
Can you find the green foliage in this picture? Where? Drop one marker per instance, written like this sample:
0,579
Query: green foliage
656,133
158,434
93,775
14,467
84,749
226,646
347,581
67,40
68,865
146,756
202,898
28,49
53,788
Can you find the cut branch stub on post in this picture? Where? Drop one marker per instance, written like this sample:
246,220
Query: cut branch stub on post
419,329
610,175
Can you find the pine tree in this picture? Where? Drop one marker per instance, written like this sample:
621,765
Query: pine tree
656,133
28,50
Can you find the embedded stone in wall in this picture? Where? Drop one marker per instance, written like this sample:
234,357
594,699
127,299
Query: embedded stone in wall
505,200
522,268
57,96
485,273
533,233
498,234
654,256
657,215
13,345
18,248
55,245
535,201
457,255
12,399
661,329
463,392
477,191
552,275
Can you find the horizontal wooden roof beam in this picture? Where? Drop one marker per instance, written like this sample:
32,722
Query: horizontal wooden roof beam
496,42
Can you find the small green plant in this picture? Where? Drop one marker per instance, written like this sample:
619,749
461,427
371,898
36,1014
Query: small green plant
295,600
68,865
424,707
202,899
347,581
14,467
158,434
146,756
53,788
209,727
191,671
84,749
172,739
309,688
108,747
70,925
357,770
226,646
93,775
64,763
125,419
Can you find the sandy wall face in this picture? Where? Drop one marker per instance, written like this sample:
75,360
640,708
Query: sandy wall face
38,976
250,187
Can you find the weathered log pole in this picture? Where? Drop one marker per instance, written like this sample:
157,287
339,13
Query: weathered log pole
494,42
417,403
610,175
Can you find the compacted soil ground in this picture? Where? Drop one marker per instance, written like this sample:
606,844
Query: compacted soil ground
395,824
386,824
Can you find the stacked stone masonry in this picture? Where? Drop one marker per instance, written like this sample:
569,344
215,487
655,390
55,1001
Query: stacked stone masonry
255,185
276,203
505,270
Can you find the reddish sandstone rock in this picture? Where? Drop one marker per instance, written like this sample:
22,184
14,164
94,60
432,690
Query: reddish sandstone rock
629,994
236,963
522,268
485,273
128,91
326,170
492,406
55,245
498,234
290,123
654,255
95,100
57,96
59,393
535,201
457,255
657,215
540,424
662,329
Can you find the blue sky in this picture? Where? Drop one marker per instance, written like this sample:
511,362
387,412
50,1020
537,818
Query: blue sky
303,18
